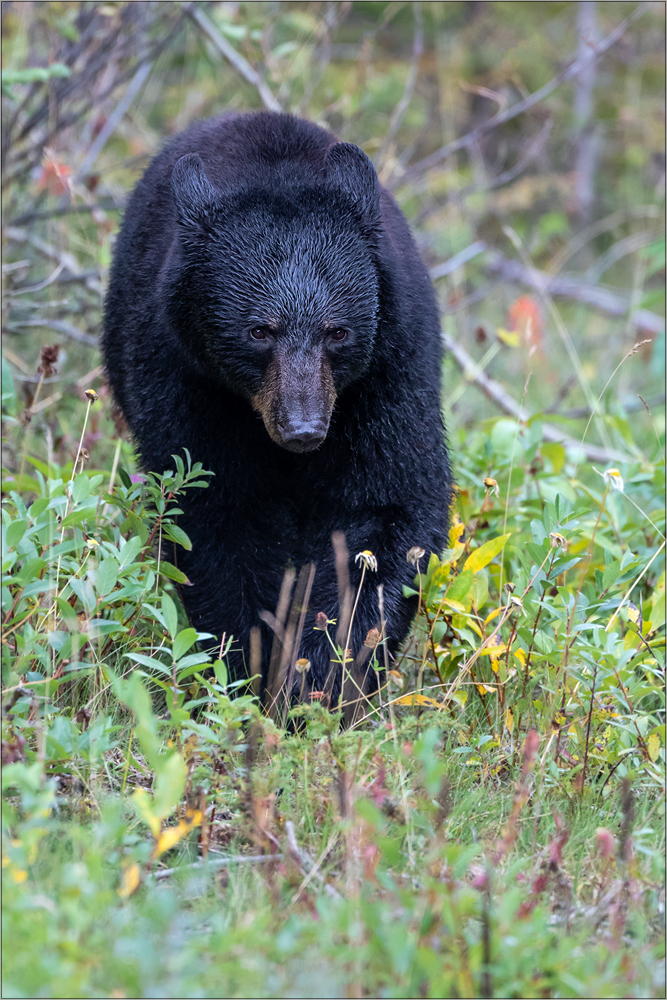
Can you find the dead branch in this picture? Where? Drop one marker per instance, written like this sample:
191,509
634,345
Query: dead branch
306,864
568,287
241,65
408,90
58,325
232,859
563,286
498,395
574,68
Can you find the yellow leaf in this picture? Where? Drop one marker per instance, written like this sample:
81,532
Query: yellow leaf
417,699
492,650
509,337
144,805
441,575
19,875
456,530
482,556
454,605
485,689
653,746
521,656
130,881
171,836
494,614
509,720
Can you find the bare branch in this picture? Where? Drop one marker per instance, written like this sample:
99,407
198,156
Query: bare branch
571,288
60,327
498,395
410,81
241,65
136,83
575,67
585,139
564,285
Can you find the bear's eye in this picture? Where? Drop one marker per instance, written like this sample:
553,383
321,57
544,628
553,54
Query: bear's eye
260,333
338,335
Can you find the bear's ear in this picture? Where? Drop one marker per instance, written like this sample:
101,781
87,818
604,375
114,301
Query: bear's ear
193,193
349,170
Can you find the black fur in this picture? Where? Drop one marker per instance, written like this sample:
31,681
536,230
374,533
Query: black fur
251,241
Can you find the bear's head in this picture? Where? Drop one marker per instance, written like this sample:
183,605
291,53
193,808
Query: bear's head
275,289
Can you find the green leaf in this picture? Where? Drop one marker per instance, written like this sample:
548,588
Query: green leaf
461,586
170,615
172,573
34,74
124,478
556,455
482,556
151,662
80,487
8,389
107,575
15,532
169,784
220,670
480,590
183,641
177,535
130,551
136,526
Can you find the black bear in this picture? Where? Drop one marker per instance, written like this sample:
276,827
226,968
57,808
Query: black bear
268,310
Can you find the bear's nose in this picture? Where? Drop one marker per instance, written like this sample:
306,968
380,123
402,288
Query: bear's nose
303,435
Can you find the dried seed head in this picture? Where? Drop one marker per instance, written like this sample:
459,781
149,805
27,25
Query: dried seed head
367,559
606,842
119,422
492,486
558,541
415,554
396,679
509,588
91,395
614,479
635,615
373,638
517,603
48,360
302,665
321,621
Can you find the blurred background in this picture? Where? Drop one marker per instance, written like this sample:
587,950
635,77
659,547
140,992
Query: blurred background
524,142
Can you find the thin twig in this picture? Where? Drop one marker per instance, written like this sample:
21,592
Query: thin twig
114,119
574,68
238,859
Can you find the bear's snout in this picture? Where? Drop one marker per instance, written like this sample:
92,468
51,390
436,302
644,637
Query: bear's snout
302,435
